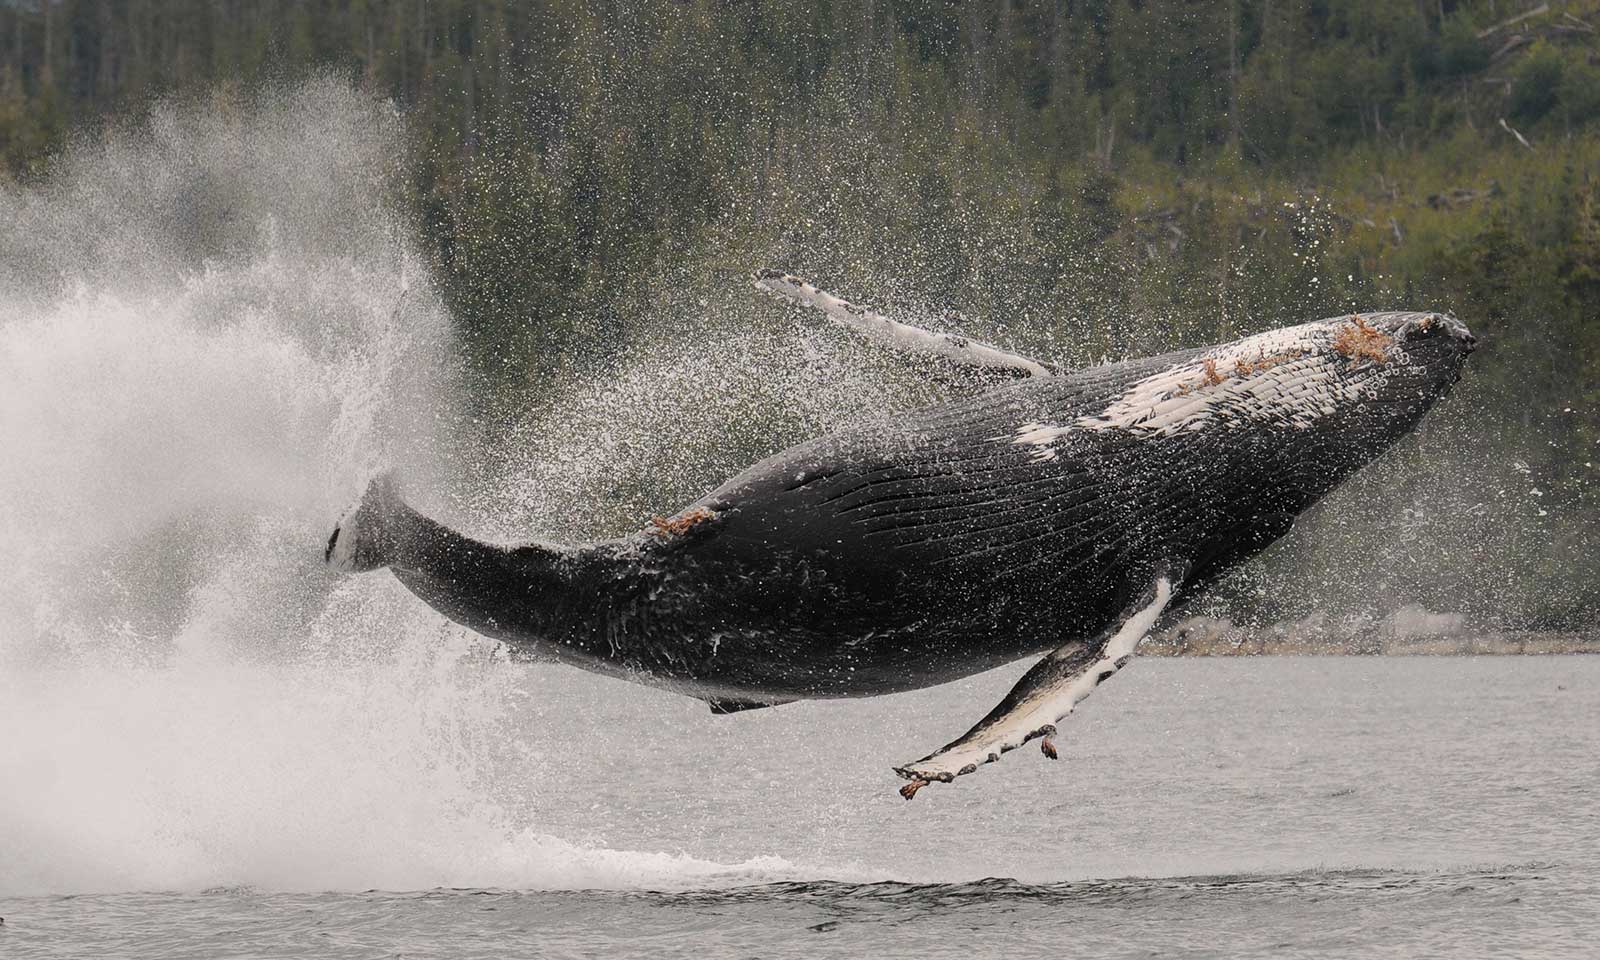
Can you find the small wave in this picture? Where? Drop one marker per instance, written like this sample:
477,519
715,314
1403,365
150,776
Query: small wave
1124,889
536,861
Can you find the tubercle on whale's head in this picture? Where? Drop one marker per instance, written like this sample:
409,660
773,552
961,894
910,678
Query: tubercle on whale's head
1300,376
1357,346
1402,361
1404,330
1377,374
1382,369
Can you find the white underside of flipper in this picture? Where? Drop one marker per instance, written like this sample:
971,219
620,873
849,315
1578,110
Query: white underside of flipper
362,541
340,552
1046,694
901,336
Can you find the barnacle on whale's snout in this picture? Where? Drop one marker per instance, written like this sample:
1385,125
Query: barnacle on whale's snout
1361,341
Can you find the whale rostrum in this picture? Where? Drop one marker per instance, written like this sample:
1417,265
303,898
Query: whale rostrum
1063,513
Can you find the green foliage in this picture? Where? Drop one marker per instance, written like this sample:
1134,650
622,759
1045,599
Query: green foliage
1538,82
1080,179
1460,52
1580,91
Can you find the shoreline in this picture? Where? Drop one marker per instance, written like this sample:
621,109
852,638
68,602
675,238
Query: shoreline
1216,637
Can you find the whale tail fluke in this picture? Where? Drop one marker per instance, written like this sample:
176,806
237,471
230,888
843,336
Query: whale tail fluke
372,533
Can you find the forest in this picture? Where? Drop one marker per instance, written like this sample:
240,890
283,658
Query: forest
1080,178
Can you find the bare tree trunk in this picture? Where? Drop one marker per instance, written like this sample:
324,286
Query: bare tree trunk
104,82
424,44
16,41
869,14
1233,74
469,107
1057,47
1006,49
134,68
48,78
502,64
975,28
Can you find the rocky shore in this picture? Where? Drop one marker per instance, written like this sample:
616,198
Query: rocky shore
1410,631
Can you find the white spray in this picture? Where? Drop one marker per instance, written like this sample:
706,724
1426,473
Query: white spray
212,330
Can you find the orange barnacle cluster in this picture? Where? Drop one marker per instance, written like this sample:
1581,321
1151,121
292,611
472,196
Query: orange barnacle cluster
680,524
1245,368
1362,341
1241,368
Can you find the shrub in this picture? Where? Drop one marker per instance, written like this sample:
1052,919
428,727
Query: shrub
1460,50
1580,92
1538,81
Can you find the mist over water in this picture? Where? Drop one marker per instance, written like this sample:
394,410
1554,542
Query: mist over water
213,329
208,343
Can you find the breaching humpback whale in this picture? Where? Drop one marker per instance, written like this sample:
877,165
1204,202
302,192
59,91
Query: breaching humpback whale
1063,513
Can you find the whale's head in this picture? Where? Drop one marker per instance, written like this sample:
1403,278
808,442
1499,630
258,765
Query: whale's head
1370,377
1371,372
1237,439
1406,349
1338,391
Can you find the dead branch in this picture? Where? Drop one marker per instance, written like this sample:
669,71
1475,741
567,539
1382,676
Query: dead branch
1517,40
1520,138
1540,10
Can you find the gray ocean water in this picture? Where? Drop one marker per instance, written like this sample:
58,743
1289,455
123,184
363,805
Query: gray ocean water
1260,807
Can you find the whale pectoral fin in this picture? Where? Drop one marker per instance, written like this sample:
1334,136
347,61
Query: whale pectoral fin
963,351
1045,694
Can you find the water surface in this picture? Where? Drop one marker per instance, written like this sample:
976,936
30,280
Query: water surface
1252,807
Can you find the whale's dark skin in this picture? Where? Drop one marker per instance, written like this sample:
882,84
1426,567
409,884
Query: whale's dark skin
893,556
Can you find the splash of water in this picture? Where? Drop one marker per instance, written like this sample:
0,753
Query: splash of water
211,331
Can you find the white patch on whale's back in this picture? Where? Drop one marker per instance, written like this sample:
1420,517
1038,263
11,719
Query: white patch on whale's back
1291,376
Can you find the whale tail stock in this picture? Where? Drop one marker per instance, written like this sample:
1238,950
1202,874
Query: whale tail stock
523,594
372,534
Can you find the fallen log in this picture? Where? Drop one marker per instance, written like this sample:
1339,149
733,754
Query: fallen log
1540,10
